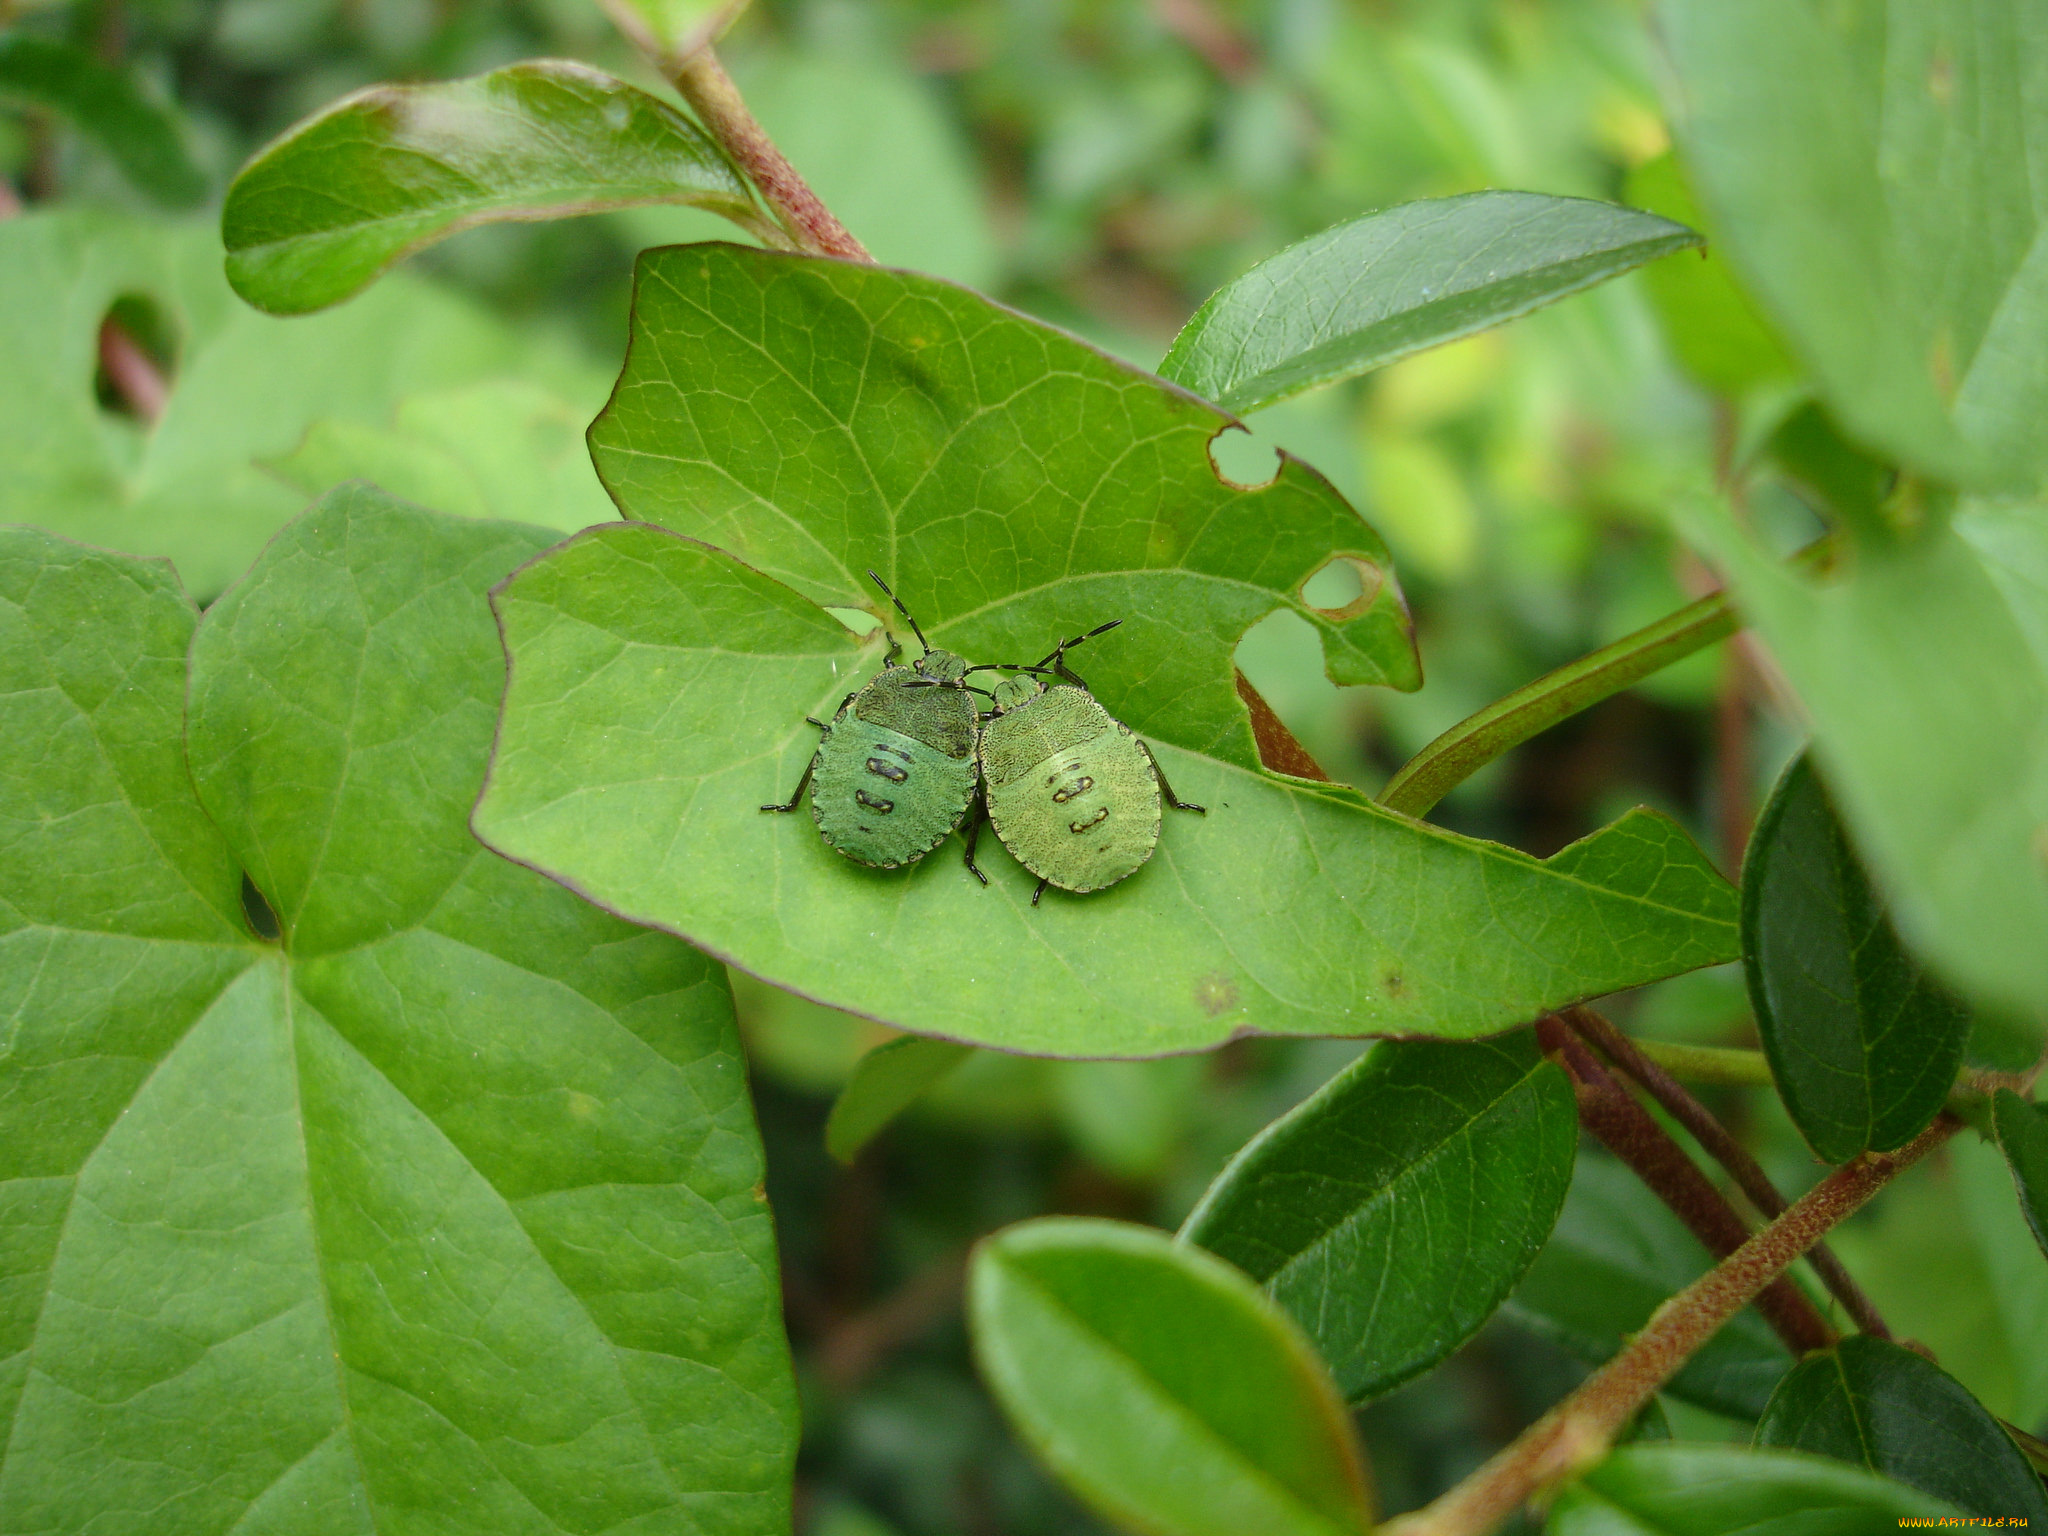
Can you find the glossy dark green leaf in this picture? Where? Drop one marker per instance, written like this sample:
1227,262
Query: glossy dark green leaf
885,1082
441,1212
1879,1405
1944,624
1392,1212
1161,1385
244,389
2023,1137
145,139
1615,1256
1869,171
1363,293
318,214
1722,1490
818,419
1863,1044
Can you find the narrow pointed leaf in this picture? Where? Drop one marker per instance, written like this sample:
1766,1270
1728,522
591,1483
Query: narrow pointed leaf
145,139
381,174
1863,1044
1376,288
1870,172
1392,1212
1616,1255
1161,1385
818,419
1717,1490
444,1208
885,1082
2023,1136
1878,1405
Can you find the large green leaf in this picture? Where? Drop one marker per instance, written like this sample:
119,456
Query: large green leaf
244,388
1394,1210
657,700
1615,1256
1365,292
1870,169
2023,1137
1161,1385
382,173
1863,1045
817,418
1945,626
1879,1405
442,1212
1721,1490
144,138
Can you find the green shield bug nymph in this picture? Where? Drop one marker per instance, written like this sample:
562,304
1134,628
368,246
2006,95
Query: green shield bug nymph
895,770
1069,788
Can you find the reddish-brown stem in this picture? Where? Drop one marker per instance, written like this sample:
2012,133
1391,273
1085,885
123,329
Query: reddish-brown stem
1204,29
133,372
1723,1148
1578,1431
1611,1113
10,200
719,106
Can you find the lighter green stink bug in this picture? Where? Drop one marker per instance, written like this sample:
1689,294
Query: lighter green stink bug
895,769
1070,790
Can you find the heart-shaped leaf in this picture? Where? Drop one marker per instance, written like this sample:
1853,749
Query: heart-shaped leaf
2023,1136
1724,1490
818,418
145,139
1876,1404
1376,288
1161,1385
243,387
384,172
1870,170
1616,1255
443,1208
1864,1046
1392,1212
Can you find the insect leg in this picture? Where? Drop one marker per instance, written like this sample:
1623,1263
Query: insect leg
802,784
976,815
1165,788
1042,884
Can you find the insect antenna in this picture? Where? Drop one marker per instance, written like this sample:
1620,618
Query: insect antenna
1055,653
900,609
1007,666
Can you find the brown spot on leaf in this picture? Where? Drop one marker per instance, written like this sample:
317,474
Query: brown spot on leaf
1393,983
1216,994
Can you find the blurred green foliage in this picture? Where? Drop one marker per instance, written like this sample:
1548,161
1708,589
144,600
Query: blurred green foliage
1104,164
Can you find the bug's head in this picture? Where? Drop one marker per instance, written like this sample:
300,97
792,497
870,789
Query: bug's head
1012,691
942,666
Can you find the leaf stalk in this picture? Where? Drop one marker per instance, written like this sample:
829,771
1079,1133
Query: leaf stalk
1579,1430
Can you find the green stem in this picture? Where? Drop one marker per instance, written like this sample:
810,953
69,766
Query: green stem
1709,1063
1474,742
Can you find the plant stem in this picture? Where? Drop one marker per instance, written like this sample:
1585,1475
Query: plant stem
1476,741
719,107
1612,1114
1578,1431
132,372
1718,1144
1709,1063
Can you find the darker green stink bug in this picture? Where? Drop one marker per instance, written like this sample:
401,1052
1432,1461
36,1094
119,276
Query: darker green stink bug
1070,789
895,769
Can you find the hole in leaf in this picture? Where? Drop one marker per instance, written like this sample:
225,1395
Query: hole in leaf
859,620
1343,589
137,358
1243,459
262,918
